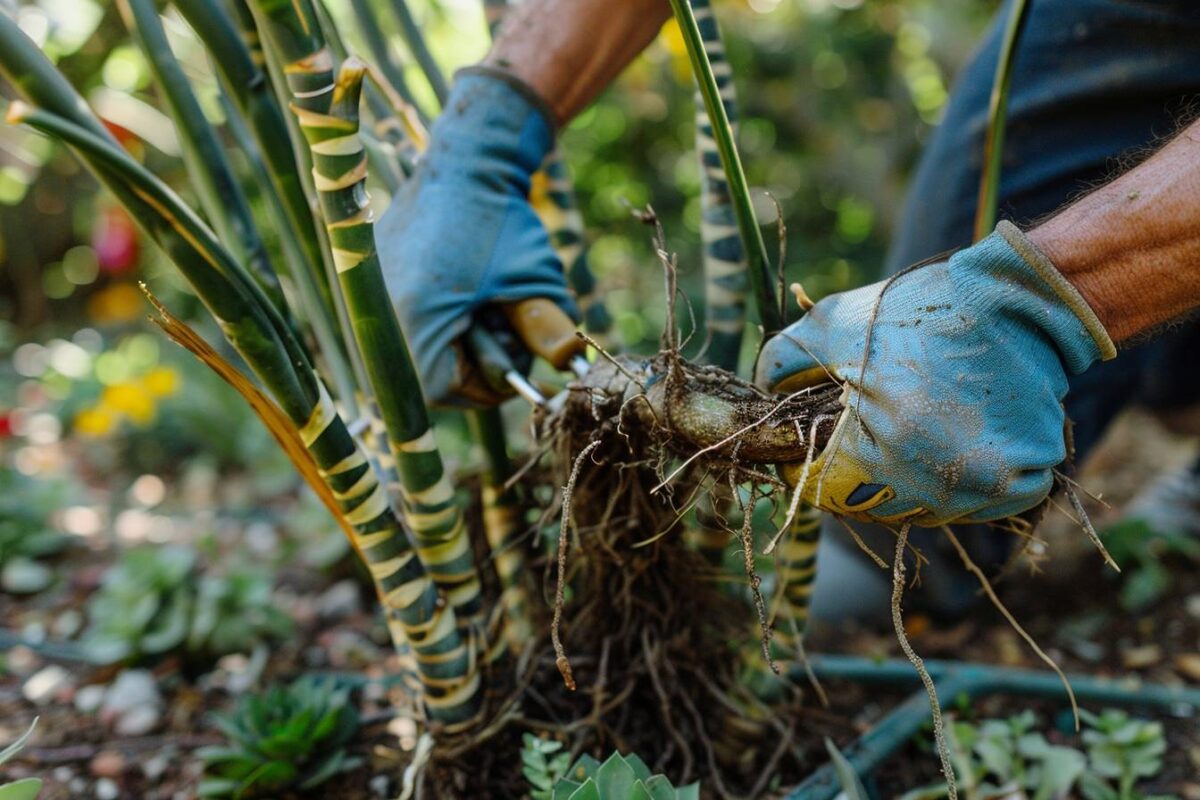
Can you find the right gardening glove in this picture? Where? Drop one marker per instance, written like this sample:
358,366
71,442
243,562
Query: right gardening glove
953,413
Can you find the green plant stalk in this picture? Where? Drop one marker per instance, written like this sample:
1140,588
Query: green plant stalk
993,147
796,568
241,68
420,50
328,345
328,113
220,195
411,598
759,264
725,266
502,526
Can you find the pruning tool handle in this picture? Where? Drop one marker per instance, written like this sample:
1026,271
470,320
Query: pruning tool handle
546,330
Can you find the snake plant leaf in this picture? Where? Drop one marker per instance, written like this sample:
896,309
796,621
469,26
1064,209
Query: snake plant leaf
24,789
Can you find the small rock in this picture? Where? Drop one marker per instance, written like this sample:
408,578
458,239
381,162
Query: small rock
1146,655
132,688
89,698
379,785
76,785
67,624
45,684
107,789
340,600
1192,604
25,576
261,538
34,632
62,774
154,767
138,721
20,660
1188,665
107,764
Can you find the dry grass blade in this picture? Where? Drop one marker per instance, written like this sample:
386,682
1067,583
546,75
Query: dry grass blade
974,569
939,732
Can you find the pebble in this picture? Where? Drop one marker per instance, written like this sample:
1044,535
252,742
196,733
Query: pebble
134,702
45,684
89,698
1146,655
340,600
261,538
67,624
107,764
62,774
379,785
132,688
1188,665
138,721
107,789
154,767
1193,606
20,660
25,576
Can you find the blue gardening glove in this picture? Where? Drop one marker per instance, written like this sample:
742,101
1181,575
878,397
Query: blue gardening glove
461,236
958,415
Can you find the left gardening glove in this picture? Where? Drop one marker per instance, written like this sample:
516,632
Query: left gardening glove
957,414
461,237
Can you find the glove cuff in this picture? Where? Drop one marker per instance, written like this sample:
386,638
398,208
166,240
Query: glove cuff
1036,260
491,117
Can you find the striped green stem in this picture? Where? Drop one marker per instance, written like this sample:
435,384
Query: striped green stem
993,147
240,62
797,570
762,281
248,321
328,114
502,526
725,265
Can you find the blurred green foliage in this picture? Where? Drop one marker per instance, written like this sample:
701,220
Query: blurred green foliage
152,602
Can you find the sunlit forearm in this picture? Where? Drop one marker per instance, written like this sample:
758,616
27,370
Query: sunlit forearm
1132,247
568,51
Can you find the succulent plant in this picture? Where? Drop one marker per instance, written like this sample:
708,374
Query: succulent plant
152,602
289,737
26,534
619,777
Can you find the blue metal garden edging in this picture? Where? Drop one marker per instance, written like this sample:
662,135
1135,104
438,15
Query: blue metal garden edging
955,679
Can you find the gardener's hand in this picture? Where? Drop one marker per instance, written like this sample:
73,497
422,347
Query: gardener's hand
461,237
957,413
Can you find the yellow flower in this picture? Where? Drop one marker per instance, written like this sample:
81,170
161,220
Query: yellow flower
95,423
161,381
120,302
132,400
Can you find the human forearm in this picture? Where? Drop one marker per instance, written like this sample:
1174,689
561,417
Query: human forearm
1132,247
568,51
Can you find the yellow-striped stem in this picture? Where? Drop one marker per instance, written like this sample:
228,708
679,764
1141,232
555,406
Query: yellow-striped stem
328,114
502,525
796,571
725,269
